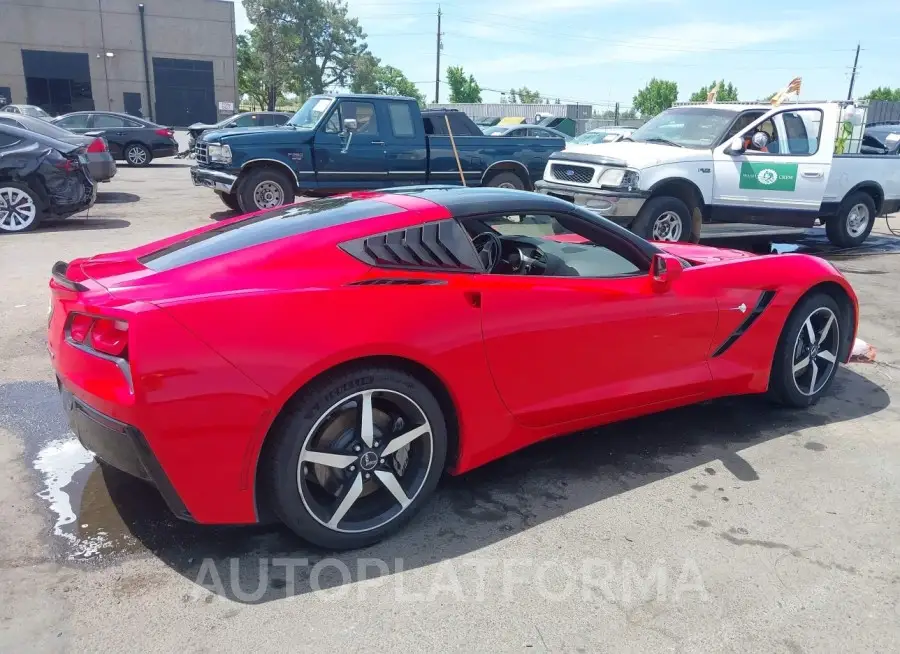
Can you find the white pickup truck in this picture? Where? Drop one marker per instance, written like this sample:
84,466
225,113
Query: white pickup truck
740,163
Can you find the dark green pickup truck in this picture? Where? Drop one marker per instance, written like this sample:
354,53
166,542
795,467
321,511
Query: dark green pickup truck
340,143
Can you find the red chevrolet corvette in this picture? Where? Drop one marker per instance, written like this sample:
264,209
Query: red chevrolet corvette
327,362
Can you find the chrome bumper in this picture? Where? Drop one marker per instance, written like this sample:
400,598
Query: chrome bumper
215,179
621,207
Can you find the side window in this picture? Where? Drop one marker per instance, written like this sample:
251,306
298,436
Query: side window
554,250
250,120
401,120
333,126
740,123
7,140
279,119
364,113
76,121
799,133
102,121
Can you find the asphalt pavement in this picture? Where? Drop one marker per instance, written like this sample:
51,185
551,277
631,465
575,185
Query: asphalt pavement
730,526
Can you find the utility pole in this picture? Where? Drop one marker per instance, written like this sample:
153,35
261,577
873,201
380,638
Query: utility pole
437,65
853,74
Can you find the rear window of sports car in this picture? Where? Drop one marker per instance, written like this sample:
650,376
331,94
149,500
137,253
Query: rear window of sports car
264,228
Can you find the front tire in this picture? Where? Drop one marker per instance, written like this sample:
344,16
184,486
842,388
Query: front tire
808,352
137,155
230,200
20,207
265,188
853,222
355,457
664,218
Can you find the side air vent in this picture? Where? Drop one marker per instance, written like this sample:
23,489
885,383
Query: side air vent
397,281
434,246
765,298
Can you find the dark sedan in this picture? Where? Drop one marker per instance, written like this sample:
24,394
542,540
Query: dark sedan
248,119
100,162
526,130
40,177
133,139
881,139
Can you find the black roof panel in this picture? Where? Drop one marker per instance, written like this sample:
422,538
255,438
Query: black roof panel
466,201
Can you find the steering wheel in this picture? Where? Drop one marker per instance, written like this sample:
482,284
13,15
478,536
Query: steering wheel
489,248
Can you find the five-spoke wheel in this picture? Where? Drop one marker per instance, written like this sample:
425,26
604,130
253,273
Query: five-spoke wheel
350,466
812,344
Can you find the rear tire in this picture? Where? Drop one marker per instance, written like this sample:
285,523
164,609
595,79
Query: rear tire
230,200
663,218
506,180
137,155
307,495
792,381
20,208
853,222
265,188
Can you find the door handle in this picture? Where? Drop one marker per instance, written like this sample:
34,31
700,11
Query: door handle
814,174
377,142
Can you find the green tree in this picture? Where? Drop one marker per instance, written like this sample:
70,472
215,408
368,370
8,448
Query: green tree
364,75
727,92
527,96
511,97
462,88
267,48
656,97
250,78
883,93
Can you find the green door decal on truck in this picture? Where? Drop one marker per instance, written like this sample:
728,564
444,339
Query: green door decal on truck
768,176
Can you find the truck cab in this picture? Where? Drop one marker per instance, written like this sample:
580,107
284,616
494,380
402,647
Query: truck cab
731,163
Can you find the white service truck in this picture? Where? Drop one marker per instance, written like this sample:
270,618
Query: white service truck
787,165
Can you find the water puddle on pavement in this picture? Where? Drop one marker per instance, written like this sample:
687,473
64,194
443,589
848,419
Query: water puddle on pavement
815,242
85,520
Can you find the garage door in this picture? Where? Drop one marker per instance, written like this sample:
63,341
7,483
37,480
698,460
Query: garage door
185,92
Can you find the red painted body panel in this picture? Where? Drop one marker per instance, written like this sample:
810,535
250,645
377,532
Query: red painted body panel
216,348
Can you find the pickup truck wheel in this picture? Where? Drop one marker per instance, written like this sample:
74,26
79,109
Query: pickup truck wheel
853,222
230,200
506,180
663,219
265,188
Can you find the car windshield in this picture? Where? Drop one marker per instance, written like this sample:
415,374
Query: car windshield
688,127
37,112
596,137
309,115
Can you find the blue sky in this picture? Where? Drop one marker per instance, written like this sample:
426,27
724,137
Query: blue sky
602,51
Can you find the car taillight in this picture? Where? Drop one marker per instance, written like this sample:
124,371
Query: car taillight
97,145
68,165
167,132
104,335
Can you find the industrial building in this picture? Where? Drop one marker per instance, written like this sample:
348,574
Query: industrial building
172,61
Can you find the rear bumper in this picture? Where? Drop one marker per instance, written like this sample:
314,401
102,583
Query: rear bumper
620,207
167,150
64,205
101,168
214,179
121,446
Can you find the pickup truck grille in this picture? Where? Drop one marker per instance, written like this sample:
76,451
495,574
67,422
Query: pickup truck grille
567,173
201,153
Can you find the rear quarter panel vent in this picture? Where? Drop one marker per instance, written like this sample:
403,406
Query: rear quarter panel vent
441,245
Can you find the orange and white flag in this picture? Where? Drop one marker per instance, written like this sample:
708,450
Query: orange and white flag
711,96
792,87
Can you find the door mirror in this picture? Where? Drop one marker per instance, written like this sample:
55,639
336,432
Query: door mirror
350,125
664,269
736,146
